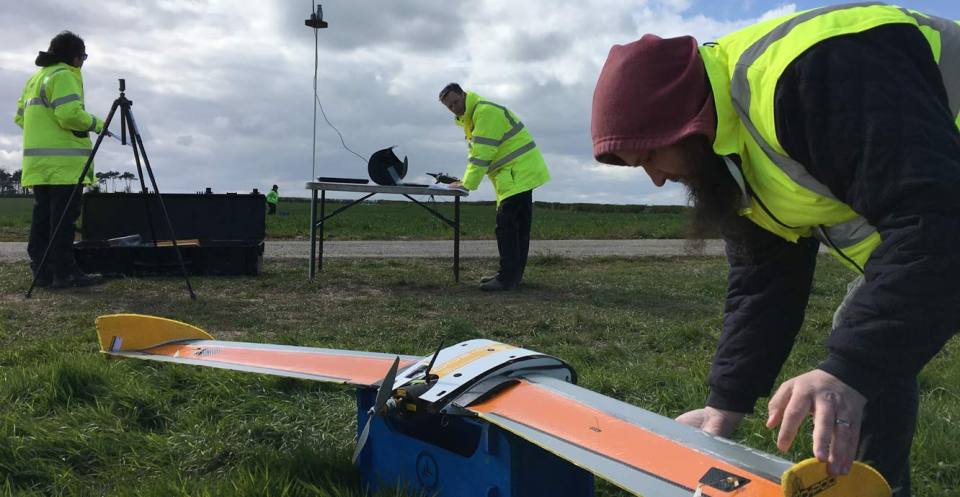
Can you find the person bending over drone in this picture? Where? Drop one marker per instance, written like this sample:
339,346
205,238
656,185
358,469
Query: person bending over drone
837,126
501,148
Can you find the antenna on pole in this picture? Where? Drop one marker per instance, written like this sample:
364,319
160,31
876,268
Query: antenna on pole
316,22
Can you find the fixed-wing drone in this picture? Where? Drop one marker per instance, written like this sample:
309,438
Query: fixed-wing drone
441,422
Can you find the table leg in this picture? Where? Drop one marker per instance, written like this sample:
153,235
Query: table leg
456,239
313,233
323,217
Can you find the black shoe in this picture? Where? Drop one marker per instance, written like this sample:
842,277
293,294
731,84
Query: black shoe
75,279
496,285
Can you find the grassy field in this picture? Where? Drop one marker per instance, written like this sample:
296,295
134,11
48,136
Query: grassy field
77,424
403,220
15,213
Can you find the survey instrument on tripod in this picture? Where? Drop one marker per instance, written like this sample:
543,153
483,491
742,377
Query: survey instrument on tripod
127,124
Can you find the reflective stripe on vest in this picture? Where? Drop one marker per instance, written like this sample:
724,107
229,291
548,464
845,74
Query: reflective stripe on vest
482,163
513,155
948,56
43,86
72,152
857,230
515,127
53,105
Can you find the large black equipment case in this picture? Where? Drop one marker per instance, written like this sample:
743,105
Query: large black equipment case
218,234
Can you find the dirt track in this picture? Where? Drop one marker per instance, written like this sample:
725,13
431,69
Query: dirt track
17,251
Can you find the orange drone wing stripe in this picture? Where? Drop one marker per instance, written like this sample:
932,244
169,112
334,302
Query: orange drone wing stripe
616,439
353,369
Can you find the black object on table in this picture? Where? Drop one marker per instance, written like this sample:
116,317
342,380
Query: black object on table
356,181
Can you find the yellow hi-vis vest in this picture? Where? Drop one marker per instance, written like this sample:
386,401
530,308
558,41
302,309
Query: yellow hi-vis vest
744,67
49,111
500,147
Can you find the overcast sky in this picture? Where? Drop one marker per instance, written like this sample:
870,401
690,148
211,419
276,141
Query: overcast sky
223,90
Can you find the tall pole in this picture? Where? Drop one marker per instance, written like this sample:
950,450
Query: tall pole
316,22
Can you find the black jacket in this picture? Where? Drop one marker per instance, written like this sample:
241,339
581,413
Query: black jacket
867,115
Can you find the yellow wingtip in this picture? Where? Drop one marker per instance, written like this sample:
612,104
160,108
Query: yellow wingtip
809,477
121,332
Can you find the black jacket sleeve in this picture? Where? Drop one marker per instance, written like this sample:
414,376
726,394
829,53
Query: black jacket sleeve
868,116
767,289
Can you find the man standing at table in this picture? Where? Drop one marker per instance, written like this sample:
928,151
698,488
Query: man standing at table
501,148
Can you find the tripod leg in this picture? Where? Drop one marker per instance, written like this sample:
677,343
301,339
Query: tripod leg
137,142
76,188
144,192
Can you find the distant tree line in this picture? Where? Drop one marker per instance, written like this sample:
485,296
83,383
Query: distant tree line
125,179
10,183
107,181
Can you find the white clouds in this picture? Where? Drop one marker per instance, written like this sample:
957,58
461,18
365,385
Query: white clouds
222,89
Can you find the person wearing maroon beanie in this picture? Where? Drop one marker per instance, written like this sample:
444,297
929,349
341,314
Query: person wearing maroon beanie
836,126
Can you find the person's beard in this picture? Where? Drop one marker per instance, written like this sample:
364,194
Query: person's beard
713,193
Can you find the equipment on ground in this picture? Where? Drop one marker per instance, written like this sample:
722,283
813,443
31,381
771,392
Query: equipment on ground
127,124
482,418
217,234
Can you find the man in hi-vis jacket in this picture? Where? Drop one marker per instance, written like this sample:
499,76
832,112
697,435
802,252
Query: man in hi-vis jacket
56,146
832,127
502,149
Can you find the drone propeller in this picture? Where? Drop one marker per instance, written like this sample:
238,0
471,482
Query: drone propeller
383,394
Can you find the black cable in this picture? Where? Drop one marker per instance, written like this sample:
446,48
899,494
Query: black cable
365,160
316,98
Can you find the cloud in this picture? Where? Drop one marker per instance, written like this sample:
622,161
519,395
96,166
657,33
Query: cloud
223,90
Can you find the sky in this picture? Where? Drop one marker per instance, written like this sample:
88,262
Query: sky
222,90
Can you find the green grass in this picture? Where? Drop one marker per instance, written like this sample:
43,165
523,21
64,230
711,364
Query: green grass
15,214
393,220
74,423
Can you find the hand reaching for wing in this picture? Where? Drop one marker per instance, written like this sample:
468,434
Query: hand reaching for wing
712,420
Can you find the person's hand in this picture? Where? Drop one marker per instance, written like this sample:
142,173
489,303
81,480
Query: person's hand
837,411
712,420
456,184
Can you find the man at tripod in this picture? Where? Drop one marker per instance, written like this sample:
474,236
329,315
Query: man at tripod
56,146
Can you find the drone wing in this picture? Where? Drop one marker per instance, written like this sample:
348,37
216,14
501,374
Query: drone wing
158,339
637,450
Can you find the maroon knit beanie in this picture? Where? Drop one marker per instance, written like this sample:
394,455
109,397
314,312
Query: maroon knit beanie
651,93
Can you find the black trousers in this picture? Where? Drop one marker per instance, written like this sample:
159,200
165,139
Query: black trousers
514,216
271,208
49,202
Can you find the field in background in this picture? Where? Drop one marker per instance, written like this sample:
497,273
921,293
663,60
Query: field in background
643,331
393,220
15,213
